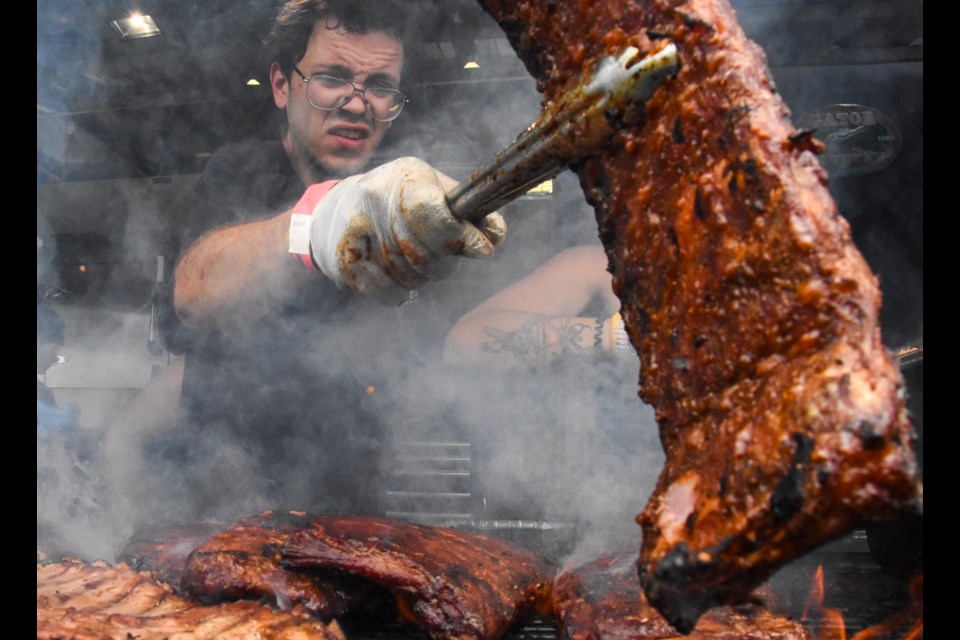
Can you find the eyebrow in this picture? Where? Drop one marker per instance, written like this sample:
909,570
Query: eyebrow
376,78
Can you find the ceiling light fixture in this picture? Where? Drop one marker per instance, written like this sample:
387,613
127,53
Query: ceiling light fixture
136,26
253,82
466,49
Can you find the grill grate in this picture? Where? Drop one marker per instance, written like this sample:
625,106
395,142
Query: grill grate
434,482
430,481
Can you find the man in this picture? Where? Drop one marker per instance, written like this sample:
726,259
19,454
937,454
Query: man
290,270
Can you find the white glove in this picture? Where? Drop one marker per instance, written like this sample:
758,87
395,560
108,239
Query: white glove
388,231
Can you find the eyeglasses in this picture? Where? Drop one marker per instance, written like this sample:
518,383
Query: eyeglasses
328,93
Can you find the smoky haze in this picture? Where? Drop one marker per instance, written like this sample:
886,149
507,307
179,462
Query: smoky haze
568,445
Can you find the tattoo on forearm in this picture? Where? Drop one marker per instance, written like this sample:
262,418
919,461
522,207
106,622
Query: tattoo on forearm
540,340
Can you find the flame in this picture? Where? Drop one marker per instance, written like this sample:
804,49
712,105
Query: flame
404,609
907,624
831,626
815,597
824,623
828,624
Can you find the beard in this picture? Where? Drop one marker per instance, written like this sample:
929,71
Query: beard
326,165
324,171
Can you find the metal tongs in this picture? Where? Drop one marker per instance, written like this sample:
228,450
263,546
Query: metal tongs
572,128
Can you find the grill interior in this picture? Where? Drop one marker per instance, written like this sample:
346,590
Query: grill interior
436,483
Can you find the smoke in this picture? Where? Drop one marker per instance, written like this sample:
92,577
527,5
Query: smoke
72,517
545,447
569,445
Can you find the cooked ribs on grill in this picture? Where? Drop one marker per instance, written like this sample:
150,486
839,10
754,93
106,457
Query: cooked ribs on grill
81,601
242,562
162,550
601,599
453,584
756,318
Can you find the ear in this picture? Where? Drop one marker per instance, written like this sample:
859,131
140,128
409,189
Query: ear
280,86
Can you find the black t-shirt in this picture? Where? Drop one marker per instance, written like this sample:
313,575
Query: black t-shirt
283,414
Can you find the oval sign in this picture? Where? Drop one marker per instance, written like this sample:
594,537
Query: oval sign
857,139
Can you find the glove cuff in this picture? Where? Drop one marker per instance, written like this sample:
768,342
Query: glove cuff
618,334
298,235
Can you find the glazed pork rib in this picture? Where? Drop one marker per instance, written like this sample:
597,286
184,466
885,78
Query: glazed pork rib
81,601
453,584
755,317
213,562
600,599
243,562
162,550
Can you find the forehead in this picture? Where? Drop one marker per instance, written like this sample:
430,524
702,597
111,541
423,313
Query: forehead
362,53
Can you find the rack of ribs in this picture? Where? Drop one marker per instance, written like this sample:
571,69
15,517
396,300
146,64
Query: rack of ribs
781,412
600,599
243,562
213,562
161,550
95,601
453,584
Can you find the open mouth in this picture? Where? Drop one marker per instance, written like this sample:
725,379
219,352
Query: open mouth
351,134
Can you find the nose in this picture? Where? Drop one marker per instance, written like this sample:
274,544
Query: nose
355,106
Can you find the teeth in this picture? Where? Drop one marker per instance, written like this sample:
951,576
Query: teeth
353,135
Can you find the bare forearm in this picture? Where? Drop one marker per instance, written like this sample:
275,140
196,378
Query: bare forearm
233,276
517,339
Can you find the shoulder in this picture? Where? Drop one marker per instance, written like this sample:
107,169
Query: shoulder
254,176
248,157
241,181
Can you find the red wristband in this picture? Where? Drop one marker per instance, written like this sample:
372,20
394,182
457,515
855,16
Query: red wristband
298,235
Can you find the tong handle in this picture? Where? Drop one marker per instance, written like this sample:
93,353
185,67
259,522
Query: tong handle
576,126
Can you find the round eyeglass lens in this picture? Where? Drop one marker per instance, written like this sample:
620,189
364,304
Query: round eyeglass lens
328,93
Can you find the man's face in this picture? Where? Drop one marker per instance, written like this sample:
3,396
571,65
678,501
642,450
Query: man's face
342,141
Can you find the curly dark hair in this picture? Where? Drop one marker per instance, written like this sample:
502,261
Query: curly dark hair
287,41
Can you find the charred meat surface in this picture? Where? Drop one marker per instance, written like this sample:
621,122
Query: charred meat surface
81,601
453,584
601,599
756,319
243,562
162,550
